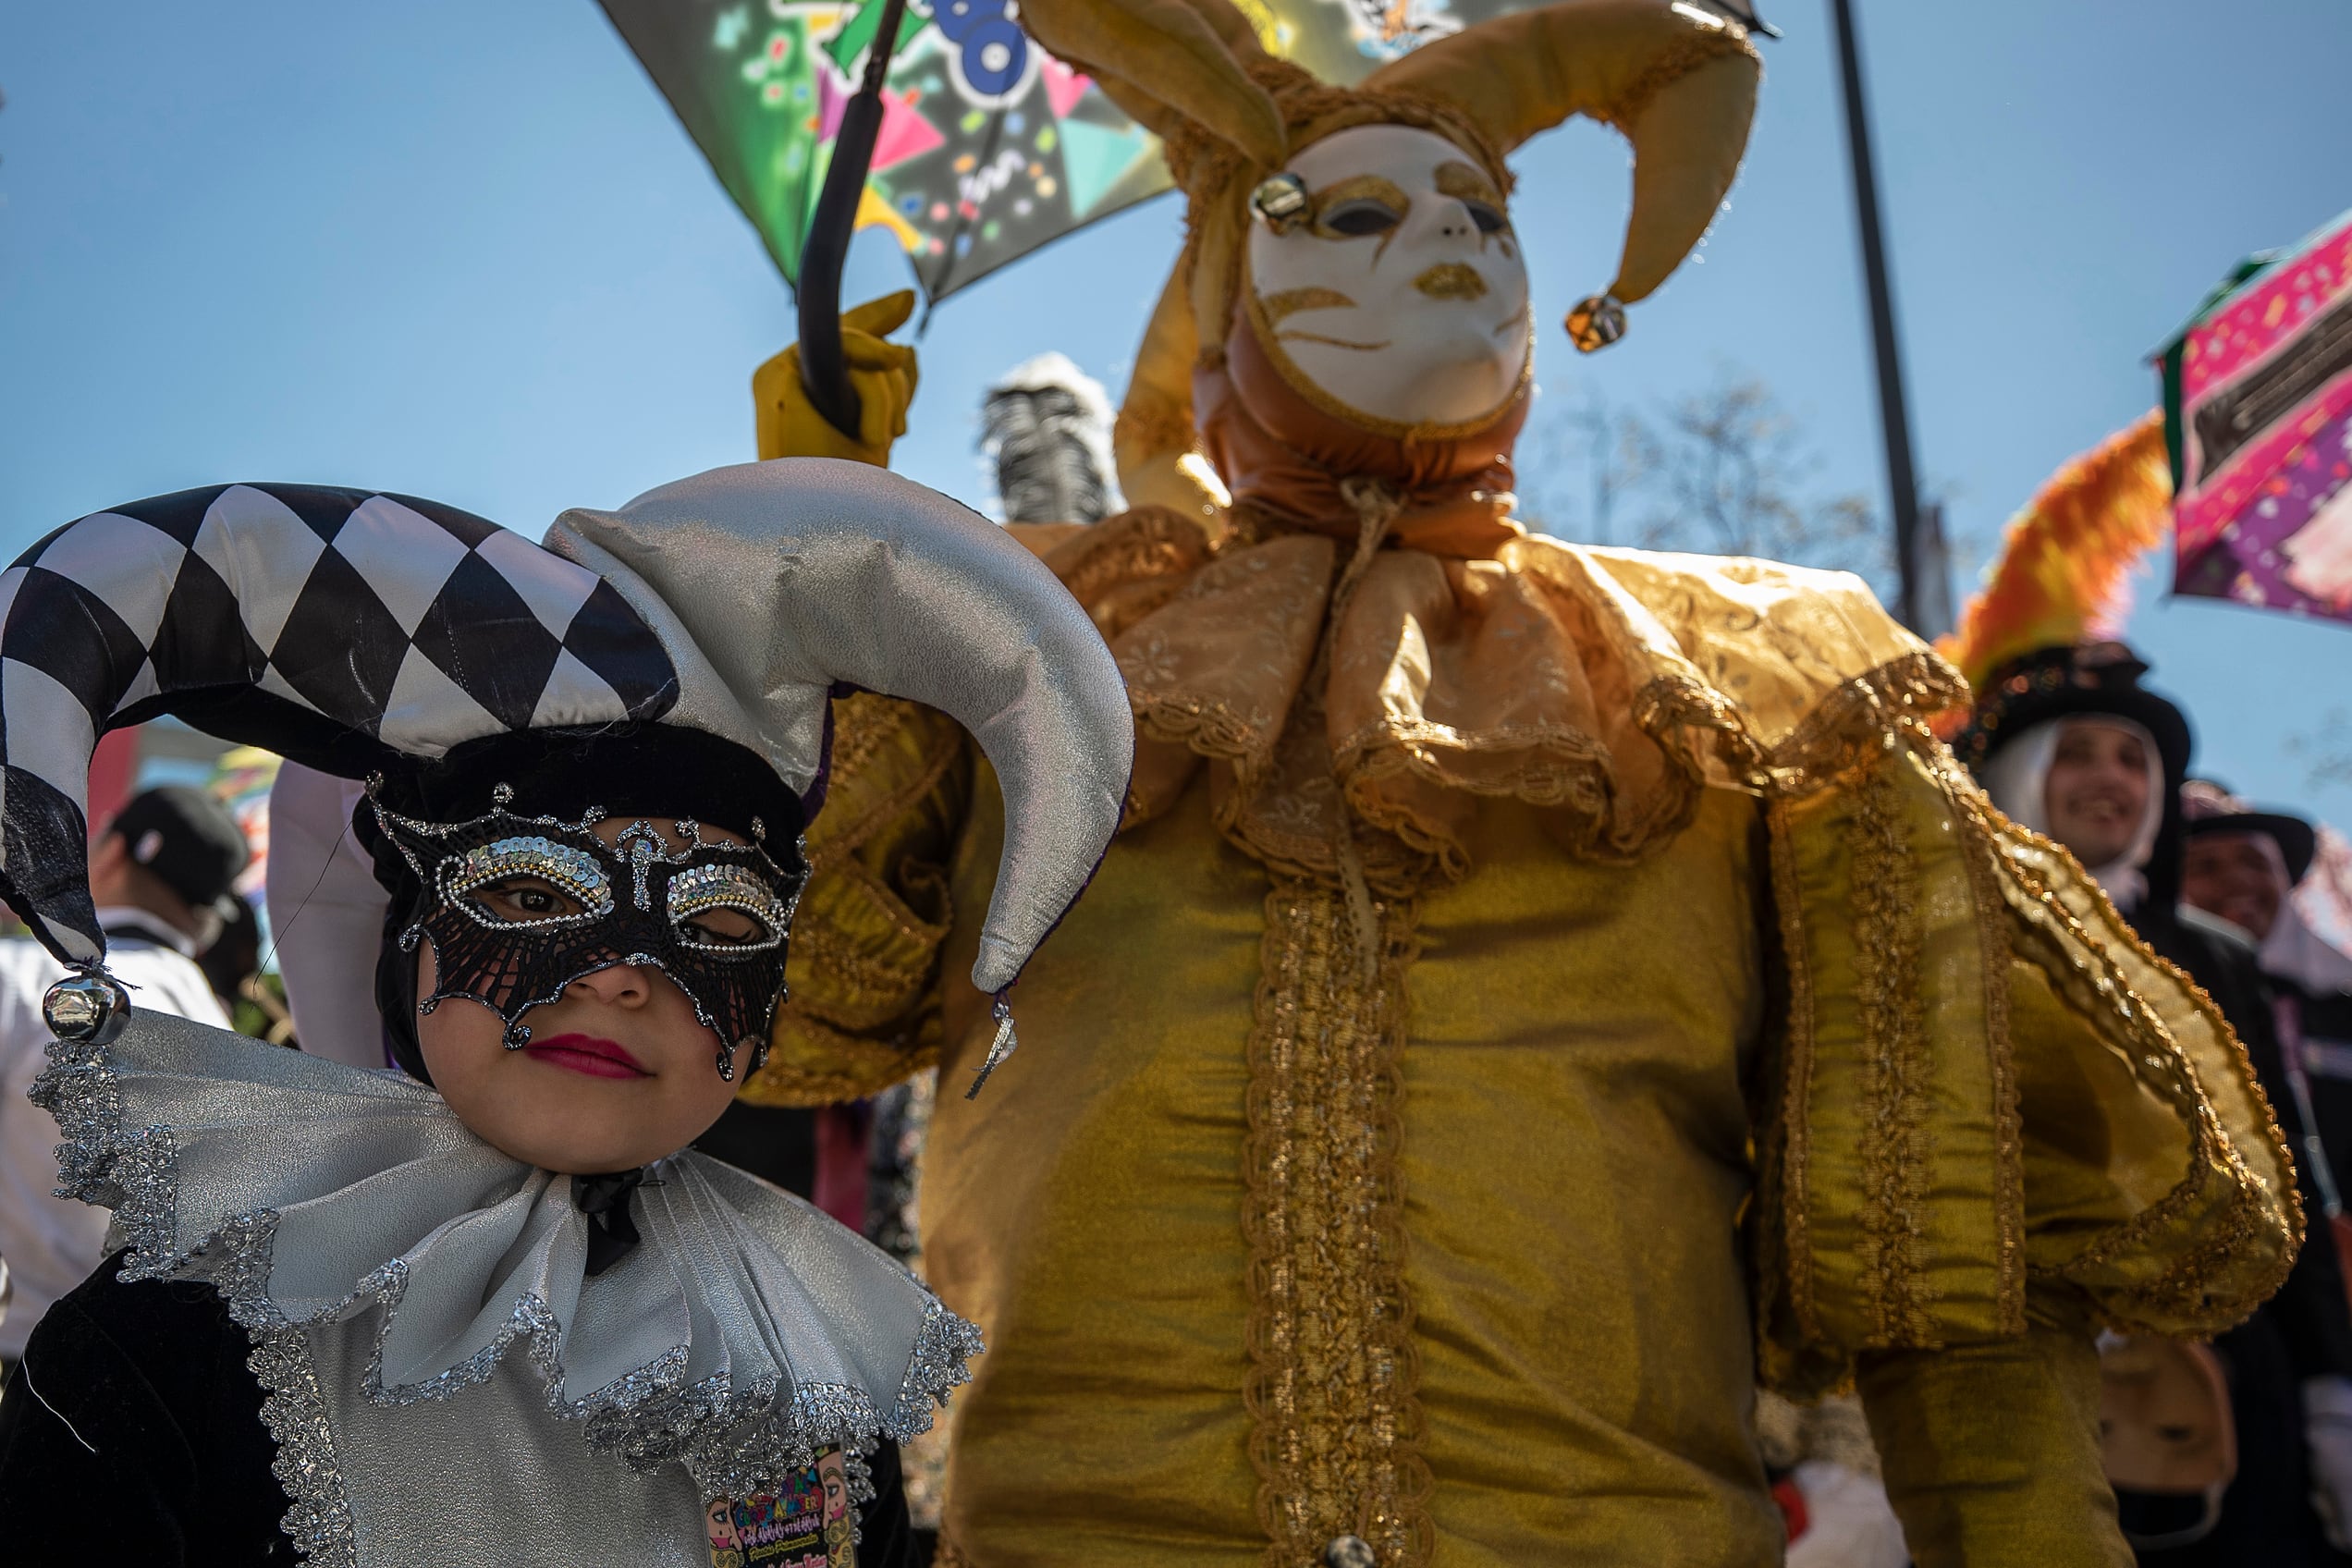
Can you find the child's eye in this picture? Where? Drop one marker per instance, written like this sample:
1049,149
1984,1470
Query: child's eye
520,900
723,927
726,909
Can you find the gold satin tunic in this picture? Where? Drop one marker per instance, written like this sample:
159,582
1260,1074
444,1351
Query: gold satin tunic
1471,1233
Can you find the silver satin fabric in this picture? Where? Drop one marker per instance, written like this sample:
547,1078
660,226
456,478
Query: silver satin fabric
487,1480
446,1383
769,581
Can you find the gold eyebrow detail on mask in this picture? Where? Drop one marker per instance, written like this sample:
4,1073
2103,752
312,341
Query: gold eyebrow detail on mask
1468,183
1313,297
1356,188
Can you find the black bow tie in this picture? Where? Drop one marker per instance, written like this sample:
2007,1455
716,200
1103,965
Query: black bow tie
604,1200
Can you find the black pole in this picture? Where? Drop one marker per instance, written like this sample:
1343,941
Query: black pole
825,372
1894,418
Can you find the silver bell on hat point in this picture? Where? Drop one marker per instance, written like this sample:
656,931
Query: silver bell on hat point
89,1009
1281,199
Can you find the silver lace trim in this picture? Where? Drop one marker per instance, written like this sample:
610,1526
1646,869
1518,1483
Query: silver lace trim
320,1522
644,1418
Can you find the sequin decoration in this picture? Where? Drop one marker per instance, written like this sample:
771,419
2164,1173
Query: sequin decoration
573,873
699,890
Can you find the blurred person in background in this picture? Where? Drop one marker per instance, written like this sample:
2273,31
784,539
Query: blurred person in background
2069,744
161,875
2243,865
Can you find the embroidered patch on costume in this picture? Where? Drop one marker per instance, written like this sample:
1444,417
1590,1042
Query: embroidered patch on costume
807,1525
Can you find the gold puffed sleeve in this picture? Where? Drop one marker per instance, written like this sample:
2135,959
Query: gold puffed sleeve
1992,1120
860,1006
1988,1086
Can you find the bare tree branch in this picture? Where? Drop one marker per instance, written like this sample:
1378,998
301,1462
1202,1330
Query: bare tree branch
2327,755
1726,471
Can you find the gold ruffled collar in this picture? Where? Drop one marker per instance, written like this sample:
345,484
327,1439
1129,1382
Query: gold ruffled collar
1606,687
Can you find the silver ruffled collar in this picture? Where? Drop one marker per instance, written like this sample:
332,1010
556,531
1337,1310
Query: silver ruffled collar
746,1331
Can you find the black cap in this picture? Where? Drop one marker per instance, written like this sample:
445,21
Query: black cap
2212,809
188,840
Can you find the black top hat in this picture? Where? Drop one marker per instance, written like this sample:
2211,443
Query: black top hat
2217,811
2069,679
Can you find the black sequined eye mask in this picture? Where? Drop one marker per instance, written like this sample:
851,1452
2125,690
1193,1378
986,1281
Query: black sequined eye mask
519,908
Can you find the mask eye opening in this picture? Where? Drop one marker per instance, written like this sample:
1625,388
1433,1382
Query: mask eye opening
1489,219
1360,217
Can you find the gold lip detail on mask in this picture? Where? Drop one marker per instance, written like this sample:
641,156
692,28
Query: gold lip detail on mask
1451,280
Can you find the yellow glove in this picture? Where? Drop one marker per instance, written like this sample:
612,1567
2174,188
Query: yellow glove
883,372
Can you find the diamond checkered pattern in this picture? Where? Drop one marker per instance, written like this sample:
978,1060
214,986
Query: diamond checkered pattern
342,628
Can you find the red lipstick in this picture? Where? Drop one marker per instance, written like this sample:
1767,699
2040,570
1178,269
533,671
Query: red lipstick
588,1054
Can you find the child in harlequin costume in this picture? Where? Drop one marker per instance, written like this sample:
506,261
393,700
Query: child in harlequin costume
1537,991
491,1309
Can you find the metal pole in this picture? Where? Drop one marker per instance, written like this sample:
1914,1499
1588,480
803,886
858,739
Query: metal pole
1902,482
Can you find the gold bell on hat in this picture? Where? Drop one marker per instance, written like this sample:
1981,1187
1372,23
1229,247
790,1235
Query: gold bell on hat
1596,321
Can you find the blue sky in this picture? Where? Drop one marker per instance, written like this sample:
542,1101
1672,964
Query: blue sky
463,250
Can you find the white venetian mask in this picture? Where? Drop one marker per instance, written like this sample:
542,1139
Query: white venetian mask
1399,292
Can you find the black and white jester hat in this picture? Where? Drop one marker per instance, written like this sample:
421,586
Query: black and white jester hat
700,630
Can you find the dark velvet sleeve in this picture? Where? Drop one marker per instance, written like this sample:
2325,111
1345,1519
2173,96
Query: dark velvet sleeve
886,1537
134,1421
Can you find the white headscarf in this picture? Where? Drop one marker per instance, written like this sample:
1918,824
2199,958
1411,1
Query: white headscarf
2018,777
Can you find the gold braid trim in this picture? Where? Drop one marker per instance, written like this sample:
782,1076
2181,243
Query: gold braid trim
1850,728
2078,964
1154,427
835,853
1886,982
1788,1147
827,952
1981,857
1330,1392
1688,52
